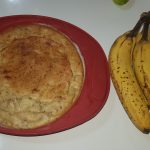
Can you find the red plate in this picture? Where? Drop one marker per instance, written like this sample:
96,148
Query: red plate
97,80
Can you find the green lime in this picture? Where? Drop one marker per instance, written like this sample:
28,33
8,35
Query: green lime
120,2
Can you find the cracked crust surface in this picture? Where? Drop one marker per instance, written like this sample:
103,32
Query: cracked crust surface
41,76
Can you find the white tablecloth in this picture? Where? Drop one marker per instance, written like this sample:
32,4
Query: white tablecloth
111,129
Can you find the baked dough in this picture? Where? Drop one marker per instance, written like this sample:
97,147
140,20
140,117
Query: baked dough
41,76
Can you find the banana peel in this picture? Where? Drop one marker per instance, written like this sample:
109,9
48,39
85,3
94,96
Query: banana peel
127,87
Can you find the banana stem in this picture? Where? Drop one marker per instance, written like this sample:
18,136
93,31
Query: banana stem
145,17
145,31
136,29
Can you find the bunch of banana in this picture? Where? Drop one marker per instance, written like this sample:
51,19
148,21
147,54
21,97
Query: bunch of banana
129,61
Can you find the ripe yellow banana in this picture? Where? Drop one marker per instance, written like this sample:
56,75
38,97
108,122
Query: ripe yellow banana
141,64
125,82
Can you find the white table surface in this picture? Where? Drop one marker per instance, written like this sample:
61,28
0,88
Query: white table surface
111,129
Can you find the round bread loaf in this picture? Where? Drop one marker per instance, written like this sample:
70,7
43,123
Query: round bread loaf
41,76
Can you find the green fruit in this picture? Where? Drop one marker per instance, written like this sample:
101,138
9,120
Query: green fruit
120,2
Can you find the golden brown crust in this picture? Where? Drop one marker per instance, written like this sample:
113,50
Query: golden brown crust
41,76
